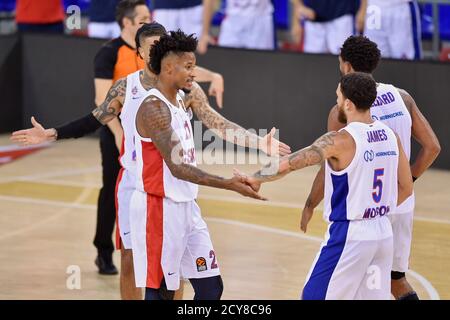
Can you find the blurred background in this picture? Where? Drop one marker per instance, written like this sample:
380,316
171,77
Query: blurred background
434,20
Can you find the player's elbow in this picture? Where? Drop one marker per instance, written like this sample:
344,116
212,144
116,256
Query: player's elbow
435,148
176,171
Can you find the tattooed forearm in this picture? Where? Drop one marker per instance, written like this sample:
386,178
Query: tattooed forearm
153,120
225,129
309,156
112,105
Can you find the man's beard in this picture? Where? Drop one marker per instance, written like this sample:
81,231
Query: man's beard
341,116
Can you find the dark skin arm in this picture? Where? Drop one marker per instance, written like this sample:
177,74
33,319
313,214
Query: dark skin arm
423,134
337,147
153,121
317,189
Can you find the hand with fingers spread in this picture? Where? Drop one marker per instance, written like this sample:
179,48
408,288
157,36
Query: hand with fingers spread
249,180
239,184
216,89
273,147
37,134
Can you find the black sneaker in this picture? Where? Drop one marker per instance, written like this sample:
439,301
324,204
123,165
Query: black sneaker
105,266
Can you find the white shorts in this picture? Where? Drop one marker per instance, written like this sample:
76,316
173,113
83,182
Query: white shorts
125,187
251,32
402,226
103,30
350,269
395,29
189,20
328,37
170,240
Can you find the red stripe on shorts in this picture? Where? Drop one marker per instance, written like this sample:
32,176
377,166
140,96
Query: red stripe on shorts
154,240
116,199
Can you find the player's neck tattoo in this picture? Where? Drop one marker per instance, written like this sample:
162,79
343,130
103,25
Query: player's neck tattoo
148,79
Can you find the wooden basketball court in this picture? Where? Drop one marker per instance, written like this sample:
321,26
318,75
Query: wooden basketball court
48,215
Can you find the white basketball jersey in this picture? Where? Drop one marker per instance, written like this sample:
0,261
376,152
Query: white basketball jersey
135,93
390,109
249,7
153,174
367,188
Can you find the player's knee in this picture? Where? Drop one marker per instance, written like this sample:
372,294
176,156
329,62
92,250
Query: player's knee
219,288
162,293
126,257
396,275
208,288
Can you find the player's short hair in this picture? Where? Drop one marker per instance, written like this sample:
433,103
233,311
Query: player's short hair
147,30
362,53
125,8
176,42
360,88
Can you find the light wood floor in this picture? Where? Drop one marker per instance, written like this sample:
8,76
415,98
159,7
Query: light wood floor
48,213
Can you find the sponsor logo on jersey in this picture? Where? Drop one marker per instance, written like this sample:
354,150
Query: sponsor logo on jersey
373,212
392,115
201,264
134,90
386,153
376,136
369,155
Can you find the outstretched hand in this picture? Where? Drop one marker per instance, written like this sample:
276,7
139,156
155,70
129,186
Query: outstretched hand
37,134
273,147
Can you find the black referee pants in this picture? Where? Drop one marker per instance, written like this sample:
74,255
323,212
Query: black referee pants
106,208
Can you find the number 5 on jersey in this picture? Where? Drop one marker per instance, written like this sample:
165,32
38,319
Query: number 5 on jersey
377,184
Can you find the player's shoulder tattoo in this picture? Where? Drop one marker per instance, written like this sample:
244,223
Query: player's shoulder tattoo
155,113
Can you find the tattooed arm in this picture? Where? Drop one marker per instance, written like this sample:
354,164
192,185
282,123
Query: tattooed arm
332,146
101,115
153,121
323,148
228,130
111,107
